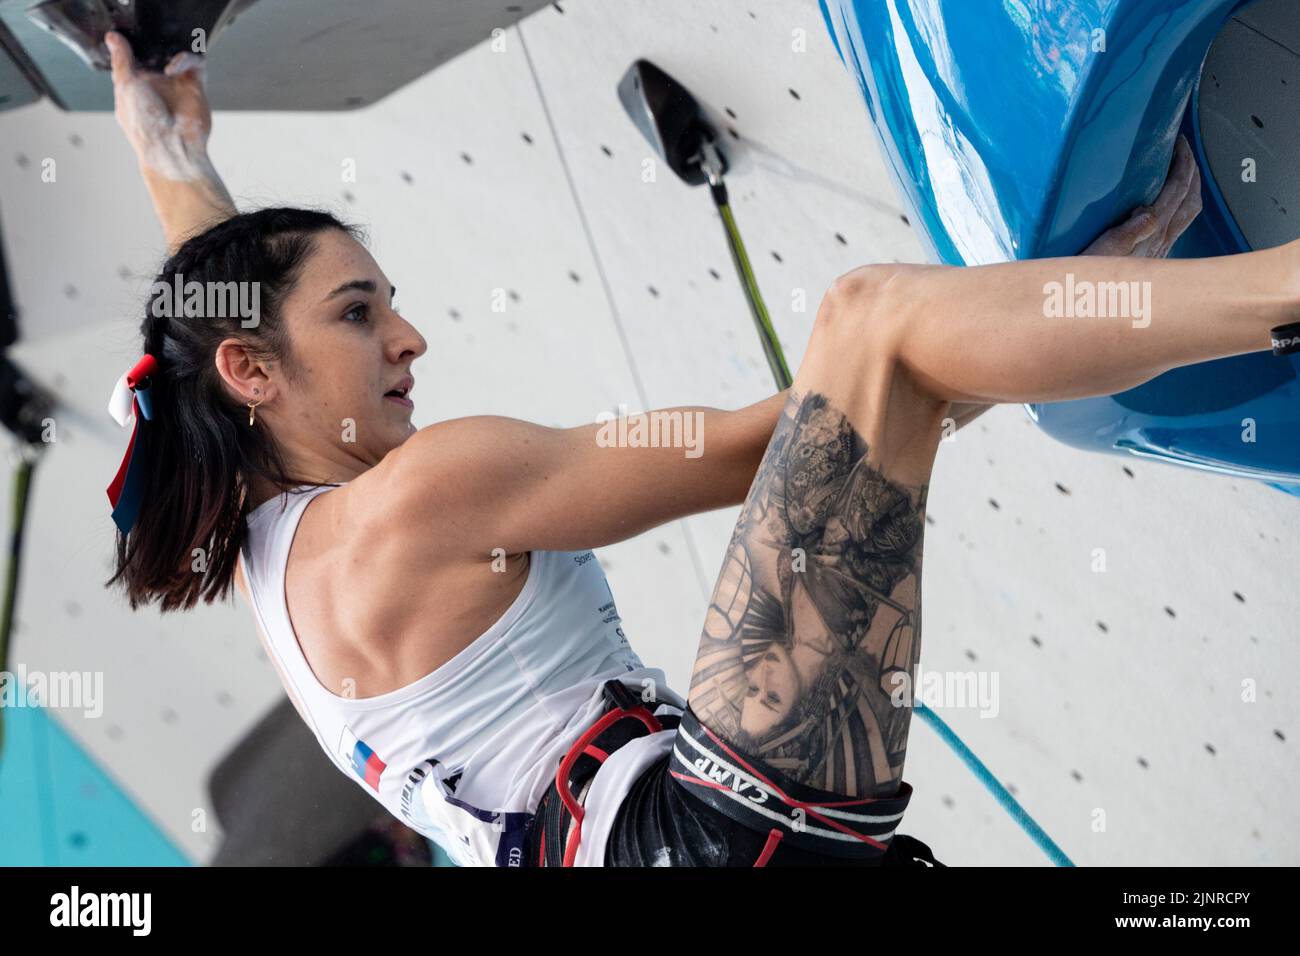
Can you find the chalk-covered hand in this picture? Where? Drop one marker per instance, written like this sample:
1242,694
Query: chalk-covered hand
1151,231
165,116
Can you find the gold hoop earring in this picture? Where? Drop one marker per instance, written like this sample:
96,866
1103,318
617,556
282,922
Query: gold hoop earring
252,410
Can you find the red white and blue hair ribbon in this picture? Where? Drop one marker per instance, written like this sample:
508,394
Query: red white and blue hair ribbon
131,400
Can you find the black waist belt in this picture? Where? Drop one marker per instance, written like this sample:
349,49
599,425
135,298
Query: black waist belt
761,798
625,718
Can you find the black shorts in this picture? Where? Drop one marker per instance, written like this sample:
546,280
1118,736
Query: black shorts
705,804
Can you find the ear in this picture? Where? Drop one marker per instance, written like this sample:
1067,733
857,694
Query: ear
246,376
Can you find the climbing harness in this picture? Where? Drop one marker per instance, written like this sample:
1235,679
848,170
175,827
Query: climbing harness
560,813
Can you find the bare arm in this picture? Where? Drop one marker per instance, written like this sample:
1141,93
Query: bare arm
1149,232
490,482
1149,318
509,484
166,119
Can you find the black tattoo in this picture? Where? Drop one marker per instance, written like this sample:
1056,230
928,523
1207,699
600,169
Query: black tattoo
814,629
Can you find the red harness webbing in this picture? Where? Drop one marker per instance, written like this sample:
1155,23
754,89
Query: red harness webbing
624,707
583,746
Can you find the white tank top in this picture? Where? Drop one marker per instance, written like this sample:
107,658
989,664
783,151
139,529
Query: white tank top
464,754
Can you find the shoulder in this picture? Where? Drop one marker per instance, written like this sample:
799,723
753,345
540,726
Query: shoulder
446,479
451,460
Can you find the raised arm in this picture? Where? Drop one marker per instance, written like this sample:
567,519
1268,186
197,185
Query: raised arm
166,119
473,485
1149,232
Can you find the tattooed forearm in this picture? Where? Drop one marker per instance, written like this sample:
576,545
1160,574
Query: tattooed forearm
814,628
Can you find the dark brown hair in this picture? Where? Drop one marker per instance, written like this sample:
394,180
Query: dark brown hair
200,450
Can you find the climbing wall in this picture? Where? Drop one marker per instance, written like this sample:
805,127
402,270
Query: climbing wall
1128,629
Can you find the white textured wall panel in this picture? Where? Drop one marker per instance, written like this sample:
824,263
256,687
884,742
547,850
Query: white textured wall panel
1120,691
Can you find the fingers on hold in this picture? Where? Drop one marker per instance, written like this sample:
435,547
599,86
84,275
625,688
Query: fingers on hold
1184,217
1191,204
1184,161
1176,187
120,56
1142,225
184,62
1187,212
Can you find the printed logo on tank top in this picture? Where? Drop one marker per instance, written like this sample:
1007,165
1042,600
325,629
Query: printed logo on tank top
362,758
409,803
608,612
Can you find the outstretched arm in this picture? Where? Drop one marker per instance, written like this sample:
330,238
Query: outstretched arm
1047,330
1149,232
166,119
